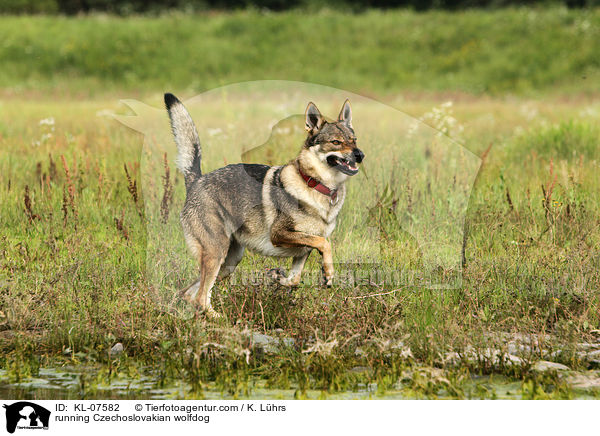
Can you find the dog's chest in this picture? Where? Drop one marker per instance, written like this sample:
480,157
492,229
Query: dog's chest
330,226
309,210
322,219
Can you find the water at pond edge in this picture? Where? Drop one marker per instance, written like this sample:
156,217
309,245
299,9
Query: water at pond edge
67,383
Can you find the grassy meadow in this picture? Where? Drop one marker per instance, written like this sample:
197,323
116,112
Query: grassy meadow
505,51
79,221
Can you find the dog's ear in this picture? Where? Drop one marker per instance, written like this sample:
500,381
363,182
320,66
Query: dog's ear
345,115
314,119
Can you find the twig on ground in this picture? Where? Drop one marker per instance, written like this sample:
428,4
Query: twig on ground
360,297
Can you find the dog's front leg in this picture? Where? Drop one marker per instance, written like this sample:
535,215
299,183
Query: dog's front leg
286,238
327,265
293,278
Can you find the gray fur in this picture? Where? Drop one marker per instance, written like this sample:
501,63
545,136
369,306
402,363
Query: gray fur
186,138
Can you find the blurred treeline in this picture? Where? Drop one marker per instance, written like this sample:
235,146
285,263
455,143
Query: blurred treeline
125,7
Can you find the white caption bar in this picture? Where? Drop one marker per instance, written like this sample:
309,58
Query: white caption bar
245,417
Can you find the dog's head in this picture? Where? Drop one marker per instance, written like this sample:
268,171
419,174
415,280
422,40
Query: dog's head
333,143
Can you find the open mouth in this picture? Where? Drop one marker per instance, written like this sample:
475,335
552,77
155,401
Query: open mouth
345,165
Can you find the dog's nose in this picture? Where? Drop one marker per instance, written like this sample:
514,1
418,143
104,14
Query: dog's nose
358,155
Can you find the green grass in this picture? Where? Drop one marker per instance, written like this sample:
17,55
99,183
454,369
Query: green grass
566,140
509,51
74,271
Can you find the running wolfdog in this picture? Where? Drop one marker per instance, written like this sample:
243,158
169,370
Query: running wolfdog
281,211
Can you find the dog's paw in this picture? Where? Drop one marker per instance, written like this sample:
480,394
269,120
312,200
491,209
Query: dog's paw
291,281
326,280
276,274
212,314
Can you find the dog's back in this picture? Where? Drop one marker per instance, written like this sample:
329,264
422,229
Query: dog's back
231,195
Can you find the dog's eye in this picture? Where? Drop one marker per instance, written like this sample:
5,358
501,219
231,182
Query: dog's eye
336,142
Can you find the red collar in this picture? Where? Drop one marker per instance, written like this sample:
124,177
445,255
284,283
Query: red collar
318,186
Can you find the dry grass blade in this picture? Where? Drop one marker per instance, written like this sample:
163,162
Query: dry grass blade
119,224
132,189
28,208
377,294
70,190
167,193
51,168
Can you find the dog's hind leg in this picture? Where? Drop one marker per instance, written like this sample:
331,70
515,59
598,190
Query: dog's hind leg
234,256
210,257
210,264
190,292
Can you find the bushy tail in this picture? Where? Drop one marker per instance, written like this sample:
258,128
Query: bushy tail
186,138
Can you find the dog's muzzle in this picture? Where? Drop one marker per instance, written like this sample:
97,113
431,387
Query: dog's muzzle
347,164
358,155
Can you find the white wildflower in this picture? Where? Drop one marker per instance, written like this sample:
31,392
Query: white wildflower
441,119
214,132
47,122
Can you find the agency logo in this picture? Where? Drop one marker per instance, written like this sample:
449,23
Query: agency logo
26,415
